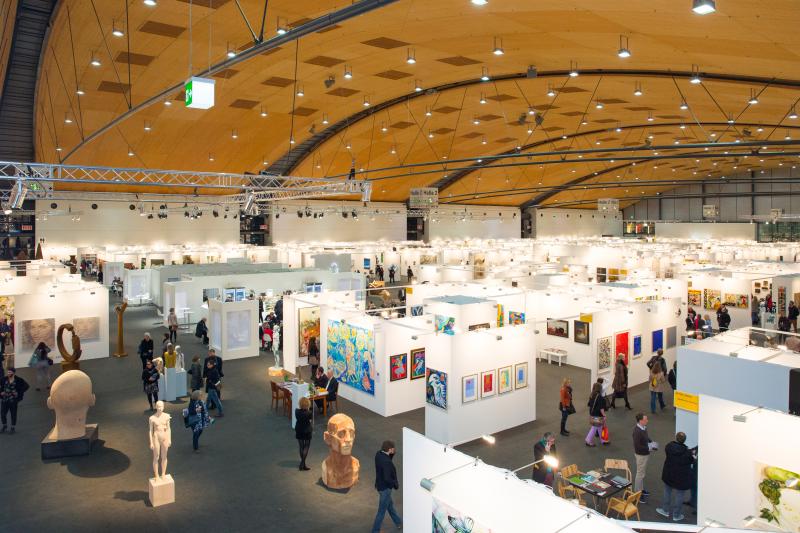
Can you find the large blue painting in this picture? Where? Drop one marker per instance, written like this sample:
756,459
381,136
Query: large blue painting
658,340
351,355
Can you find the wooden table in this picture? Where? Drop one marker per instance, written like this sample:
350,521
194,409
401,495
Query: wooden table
321,394
614,483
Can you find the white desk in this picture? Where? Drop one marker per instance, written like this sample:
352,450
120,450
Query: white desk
548,353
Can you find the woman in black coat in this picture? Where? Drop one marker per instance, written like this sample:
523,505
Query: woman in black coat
303,430
677,477
150,382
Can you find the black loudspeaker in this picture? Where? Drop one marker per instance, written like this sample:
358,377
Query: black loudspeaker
794,391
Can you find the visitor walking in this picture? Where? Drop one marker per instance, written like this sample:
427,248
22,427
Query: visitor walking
794,312
196,373
313,355
677,477
658,358
565,404
723,319
658,386
150,377
212,388
303,430
201,330
597,416
172,324
41,361
196,417
544,472
672,377
409,275
642,445
392,271
164,342
385,481
620,384
146,349
12,391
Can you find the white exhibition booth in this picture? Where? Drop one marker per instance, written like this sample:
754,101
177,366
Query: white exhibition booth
233,328
490,497
136,286
735,366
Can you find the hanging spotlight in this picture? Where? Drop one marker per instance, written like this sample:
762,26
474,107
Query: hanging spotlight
67,119
249,202
263,112
366,101
623,52
479,2
79,92
695,79
704,7
550,91
753,98
498,46
731,120
476,121
95,62
393,150
18,194
300,91
281,29
428,112
788,136
483,99
485,74
116,32
637,89
793,114
147,126
234,134
417,86
210,157
584,122
650,117
573,69
167,103
130,152
598,105
411,56
531,111
291,139
325,118
384,129
348,72
231,52
151,3
684,105
430,134
483,140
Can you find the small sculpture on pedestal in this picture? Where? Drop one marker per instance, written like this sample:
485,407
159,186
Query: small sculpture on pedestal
276,341
340,468
162,486
70,361
70,397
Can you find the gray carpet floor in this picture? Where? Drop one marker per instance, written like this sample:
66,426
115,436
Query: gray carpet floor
245,478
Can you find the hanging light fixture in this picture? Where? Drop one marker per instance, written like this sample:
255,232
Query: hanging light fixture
365,103
731,120
150,3
384,129
753,98
531,111
116,32
483,99
325,118
695,79
498,46
300,91
130,152
637,89
550,91
483,140
231,52
234,134
210,156
79,92
411,56
704,7
67,119
598,105
684,105
476,120
793,114
573,69
348,72
263,112
485,74
281,27
623,52
650,117
417,86
147,126
95,62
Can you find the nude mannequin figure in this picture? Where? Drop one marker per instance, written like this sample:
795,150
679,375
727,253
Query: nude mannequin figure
160,438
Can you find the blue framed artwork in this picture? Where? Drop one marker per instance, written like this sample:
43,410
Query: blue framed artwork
658,340
637,346
351,355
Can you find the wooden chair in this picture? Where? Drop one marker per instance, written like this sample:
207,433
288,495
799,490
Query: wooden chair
620,464
277,394
565,490
626,507
287,403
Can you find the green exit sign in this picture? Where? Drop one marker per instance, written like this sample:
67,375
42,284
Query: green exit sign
199,93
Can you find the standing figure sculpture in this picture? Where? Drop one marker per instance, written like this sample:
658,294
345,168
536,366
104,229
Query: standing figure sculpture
276,341
160,435
340,468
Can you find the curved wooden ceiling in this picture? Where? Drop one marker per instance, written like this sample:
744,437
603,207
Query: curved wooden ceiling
746,46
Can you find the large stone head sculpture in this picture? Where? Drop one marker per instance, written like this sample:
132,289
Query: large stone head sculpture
70,397
341,434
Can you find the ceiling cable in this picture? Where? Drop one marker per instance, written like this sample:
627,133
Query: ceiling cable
190,39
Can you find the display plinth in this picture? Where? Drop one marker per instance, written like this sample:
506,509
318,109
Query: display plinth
161,490
54,449
175,379
275,372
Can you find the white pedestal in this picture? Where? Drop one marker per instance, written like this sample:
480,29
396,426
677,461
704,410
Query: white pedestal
299,390
162,490
175,384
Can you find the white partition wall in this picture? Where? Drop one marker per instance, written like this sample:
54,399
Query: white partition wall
486,494
112,270
736,453
136,285
238,328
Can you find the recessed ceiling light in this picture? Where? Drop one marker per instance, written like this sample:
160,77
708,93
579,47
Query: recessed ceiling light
623,52
150,3
411,56
704,7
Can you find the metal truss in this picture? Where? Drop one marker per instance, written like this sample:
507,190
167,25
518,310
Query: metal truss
41,179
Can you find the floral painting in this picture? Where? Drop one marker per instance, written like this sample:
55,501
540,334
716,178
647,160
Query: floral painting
446,519
436,388
418,363
398,367
351,355
778,497
604,354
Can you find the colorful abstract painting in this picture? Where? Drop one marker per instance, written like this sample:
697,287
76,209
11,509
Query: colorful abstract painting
351,355
500,316
637,346
658,340
505,380
622,345
580,332
469,388
446,519
398,367
418,363
695,297
416,310
520,376
558,328
308,326
488,383
445,324
604,354
739,301
712,299
515,318
777,504
436,388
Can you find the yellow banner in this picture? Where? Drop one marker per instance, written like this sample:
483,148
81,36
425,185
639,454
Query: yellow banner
686,401
409,290
585,318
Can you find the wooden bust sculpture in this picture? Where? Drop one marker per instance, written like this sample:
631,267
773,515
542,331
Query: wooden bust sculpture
70,361
70,397
340,468
160,434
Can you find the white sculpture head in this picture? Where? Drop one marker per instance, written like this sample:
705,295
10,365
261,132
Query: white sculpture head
70,397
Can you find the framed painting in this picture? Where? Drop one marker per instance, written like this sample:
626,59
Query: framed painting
500,321
475,327
445,324
580,332
658,340
351,355
694,297
88,329
622,345
637,346
712,299
604,354
32,332
436,388
558,328
416,310
488,383
672,336
776,504
469,388
505,381
418,363
447,519
398,367
308,327
520,376
515,318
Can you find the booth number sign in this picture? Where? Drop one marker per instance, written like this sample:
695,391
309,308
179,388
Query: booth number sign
686,401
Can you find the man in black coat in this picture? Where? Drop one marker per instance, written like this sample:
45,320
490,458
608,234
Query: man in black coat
543,472
677,477
385,481
12,391
723,319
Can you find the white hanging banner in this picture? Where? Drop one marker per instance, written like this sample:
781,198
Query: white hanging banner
423,198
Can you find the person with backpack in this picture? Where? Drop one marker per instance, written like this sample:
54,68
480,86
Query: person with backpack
597,416
658,358
658,386
12,391
42,362
195,417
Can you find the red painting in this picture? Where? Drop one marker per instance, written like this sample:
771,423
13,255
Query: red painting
622,345
488,383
